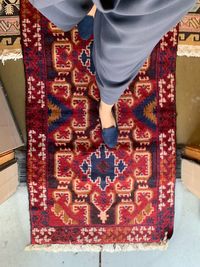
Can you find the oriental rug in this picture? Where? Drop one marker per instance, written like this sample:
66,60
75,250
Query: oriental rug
82,194
189,33
10,47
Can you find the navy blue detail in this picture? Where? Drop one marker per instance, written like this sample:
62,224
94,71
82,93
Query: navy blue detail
66,113
85,27
102,167
139,111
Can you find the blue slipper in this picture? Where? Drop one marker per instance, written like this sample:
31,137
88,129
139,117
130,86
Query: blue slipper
85,27
110,134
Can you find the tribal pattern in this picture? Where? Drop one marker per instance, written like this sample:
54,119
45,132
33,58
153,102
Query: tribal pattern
81,192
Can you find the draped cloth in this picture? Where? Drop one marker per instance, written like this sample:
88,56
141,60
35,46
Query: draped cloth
125,33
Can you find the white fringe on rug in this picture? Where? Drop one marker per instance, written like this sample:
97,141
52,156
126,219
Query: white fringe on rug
188,50
7,54
163,245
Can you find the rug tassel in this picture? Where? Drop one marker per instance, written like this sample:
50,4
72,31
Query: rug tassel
188,50
98,248
10,54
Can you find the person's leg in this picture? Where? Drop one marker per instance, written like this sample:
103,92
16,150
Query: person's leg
125,36
65,14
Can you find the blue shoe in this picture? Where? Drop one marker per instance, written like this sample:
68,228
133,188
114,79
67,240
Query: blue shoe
85,27
110,134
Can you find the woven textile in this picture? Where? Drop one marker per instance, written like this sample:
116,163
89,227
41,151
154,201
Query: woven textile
10,47
189,33
80,191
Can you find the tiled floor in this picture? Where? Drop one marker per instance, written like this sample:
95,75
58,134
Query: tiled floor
183,250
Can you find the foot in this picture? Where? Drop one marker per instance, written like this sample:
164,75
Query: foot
106,116
92,11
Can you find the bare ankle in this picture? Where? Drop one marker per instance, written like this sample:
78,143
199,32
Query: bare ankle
105,106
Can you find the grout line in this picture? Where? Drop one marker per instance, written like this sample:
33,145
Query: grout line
100,259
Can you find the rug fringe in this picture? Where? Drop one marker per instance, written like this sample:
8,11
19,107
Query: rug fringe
7,54
163,245
188,50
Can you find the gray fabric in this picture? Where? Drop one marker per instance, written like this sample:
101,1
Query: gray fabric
125,33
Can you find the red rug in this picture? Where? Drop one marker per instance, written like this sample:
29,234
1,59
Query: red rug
80,191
